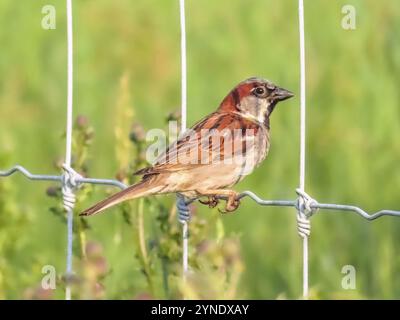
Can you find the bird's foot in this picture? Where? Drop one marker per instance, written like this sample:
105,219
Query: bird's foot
231,197
212,201
232,203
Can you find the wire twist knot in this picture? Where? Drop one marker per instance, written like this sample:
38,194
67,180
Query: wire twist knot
183,209
69,183
306,206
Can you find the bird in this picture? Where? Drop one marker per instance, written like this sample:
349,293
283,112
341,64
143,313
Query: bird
206,161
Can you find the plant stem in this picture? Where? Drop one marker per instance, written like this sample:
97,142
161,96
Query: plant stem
142,246
82,239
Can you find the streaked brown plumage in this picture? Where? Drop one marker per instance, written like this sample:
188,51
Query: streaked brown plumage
213,156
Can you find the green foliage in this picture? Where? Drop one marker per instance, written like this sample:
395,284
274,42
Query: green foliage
127,80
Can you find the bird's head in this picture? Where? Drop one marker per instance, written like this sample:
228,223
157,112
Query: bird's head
254,98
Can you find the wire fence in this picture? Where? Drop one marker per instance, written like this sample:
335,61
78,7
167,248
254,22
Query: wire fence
304,204
184,212
302,219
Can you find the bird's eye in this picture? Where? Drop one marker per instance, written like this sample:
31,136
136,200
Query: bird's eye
259,91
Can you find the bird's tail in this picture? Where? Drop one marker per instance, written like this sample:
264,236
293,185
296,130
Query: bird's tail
141,189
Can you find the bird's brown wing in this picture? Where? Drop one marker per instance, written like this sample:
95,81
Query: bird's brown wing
184,153
192,145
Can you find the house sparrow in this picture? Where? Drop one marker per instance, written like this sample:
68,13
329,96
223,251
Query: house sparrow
215,154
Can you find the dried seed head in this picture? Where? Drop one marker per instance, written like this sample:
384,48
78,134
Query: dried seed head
52,191
137,133
81,121
174,115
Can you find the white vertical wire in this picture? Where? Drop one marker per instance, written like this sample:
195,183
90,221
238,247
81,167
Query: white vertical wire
303,137
183,65
69,142
185,227
185,249
69,85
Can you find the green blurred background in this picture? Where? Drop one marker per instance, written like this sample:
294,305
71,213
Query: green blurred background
353,124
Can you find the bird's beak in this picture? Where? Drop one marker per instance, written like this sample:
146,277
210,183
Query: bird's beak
280,94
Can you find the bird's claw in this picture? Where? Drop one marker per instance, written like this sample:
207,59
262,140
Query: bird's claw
231,205
212,201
